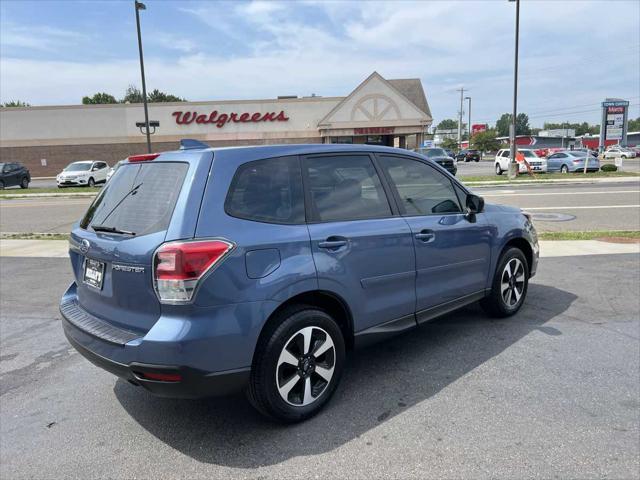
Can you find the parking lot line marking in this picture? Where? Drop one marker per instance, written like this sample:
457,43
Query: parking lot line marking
580,207
524,194
21,205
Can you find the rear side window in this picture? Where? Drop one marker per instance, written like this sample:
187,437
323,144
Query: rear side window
267,191
345,187
422,189
139,198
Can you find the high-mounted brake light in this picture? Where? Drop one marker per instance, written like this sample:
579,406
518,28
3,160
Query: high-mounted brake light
179,266
143,158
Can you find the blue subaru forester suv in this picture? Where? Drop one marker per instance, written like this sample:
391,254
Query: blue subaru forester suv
205,271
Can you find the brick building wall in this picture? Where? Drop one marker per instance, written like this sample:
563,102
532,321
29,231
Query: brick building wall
59,156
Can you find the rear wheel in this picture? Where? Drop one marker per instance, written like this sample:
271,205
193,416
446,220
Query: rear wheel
24,183
564,169
509,287
297,365
498,169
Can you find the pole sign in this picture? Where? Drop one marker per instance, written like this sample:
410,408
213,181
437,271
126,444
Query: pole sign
427,143
614,122
478,128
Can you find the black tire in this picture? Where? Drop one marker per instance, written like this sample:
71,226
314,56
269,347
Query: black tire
24,183
495,303
498,169
477,160
1,184
564,169
263,391
91,182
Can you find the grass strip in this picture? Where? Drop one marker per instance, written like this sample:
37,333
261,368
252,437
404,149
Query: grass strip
594,235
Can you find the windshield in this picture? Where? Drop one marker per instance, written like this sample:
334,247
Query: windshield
78,167
139,198
577,154
434,152
529,154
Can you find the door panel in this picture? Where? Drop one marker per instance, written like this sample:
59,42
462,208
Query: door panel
452,249
361,251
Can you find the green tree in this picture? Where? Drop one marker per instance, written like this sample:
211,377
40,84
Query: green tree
132,95
99,99
522,125
633,125
447,124
156,96
486,141
449,143
15,103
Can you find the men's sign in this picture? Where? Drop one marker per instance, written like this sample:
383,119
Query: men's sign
221,119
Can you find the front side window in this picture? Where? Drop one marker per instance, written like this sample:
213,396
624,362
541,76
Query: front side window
267,191
422,189
345,187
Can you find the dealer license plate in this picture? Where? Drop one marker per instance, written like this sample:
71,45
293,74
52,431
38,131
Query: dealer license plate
93,273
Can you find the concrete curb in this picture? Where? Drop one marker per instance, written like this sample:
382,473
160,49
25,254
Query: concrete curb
548,248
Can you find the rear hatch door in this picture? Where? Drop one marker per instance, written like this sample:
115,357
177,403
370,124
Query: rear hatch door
112,248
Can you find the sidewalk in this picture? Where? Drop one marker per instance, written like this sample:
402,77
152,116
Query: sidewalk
548,248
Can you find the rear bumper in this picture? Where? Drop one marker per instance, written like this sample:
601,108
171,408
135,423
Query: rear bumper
193,383
211,349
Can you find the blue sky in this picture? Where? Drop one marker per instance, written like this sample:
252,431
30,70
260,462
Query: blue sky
573,53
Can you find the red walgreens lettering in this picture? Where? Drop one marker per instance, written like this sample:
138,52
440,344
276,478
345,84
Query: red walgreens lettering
220,120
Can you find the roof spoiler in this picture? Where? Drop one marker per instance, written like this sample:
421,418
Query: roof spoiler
190,144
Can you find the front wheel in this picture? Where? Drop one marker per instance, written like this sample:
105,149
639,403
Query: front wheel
1,184
297,365
498,169
509,287
564,169
24,183
91,182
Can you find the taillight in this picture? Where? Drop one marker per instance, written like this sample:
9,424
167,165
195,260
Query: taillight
578,161
143,158
179,266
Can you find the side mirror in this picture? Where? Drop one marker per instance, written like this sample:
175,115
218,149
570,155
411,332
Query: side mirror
475,204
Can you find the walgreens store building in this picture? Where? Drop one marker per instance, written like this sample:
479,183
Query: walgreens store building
378,111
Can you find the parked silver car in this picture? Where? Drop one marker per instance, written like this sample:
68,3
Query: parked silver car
619,152
571,161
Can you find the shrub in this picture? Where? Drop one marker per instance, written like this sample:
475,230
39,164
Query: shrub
609,167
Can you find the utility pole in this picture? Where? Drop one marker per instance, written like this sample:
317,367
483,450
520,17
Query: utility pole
469,123
512,133
140,6
460,113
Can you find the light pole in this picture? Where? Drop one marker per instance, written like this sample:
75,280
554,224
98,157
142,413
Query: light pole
512,132
469,122
140,6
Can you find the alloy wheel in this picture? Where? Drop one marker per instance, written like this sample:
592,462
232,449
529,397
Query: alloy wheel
305,366
512,282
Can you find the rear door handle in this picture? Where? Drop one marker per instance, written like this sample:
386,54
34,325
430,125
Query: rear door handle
333,243
426,236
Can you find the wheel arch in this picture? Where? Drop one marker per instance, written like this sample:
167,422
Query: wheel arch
324,300
523,245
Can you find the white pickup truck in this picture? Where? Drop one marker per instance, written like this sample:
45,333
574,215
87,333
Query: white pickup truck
503,159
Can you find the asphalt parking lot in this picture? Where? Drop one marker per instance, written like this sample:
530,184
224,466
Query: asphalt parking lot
595,206
550,393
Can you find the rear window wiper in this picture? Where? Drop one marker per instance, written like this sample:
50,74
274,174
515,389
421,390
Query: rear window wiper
104,228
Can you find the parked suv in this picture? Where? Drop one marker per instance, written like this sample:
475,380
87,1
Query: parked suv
468,155
203,271
14,174
441,157
503,158
85,173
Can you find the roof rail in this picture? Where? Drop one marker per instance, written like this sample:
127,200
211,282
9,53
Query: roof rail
190,144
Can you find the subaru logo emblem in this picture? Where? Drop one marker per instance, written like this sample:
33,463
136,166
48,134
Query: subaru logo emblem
84,246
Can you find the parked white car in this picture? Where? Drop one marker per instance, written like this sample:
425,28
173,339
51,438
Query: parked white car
619,152
85,173
503,159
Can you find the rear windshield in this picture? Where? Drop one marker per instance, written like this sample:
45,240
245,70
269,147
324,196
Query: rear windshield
139,198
